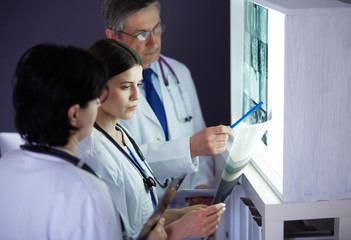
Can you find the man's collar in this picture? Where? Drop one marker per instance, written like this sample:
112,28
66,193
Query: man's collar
153,67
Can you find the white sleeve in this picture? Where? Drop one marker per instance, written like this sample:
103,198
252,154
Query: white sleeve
205,174
171,158
90,214
112,175
99,220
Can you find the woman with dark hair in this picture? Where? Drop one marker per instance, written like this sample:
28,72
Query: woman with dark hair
48,193
116,158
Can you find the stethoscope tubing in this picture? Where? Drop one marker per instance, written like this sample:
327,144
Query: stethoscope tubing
162,61
149,182
58,153
48,150
165,80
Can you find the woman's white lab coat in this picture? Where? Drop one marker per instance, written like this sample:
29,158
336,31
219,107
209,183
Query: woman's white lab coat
170,158
125,182
46,197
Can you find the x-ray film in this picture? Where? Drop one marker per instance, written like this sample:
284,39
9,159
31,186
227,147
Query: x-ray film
240,148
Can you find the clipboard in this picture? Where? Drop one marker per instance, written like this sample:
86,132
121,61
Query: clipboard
167,197
183,194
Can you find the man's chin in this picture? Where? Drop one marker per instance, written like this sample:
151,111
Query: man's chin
149,58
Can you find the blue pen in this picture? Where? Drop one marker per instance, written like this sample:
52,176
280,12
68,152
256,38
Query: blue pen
247,114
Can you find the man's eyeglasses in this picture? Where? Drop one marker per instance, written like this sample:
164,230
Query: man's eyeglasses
146,34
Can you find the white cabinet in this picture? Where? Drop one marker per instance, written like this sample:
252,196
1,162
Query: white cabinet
274,212
308,155
303,168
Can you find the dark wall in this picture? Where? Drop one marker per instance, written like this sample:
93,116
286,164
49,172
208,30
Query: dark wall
197,34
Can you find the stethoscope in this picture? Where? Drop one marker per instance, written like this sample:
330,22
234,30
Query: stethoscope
149,181
173,75
45,149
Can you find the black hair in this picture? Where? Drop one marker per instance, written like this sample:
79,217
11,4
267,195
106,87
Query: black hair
49,80
116,56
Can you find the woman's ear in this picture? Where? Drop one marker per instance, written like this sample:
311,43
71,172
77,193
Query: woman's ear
73,115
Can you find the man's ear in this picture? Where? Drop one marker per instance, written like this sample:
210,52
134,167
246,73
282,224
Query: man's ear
73,115
111,34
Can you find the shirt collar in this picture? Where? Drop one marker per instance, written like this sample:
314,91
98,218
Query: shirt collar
153,67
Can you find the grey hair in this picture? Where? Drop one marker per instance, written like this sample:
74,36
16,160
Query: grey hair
115,12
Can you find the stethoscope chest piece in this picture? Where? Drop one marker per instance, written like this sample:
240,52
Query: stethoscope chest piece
171,79
149,182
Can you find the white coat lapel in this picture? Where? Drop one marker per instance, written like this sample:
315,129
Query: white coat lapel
167,100
145,109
